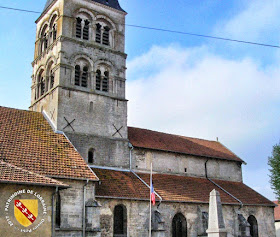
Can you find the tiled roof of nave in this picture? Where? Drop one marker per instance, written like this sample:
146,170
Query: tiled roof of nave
173,188
28,141
144,138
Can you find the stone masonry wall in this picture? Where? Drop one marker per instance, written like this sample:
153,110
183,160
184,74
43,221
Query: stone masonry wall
72,210
167,162
138,218
107,152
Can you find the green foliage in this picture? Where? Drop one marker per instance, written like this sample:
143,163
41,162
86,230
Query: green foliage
274,163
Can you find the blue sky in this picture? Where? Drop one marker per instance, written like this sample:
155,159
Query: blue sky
177,83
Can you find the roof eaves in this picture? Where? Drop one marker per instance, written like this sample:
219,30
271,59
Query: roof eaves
35,184
73,178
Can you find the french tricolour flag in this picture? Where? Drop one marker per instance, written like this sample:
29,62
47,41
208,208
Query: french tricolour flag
153,196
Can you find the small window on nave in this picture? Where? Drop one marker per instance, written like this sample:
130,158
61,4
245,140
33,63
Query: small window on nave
179,226
253,226
58,210
120,221
91,155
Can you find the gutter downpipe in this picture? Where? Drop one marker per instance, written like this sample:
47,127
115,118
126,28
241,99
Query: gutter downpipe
130,168
53,206
84,209
206,175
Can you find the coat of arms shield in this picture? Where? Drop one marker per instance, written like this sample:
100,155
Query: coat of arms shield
26,211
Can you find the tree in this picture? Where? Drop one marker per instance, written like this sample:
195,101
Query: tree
274,163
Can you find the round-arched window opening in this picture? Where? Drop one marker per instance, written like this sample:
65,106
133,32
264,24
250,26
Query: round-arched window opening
91,156
253,226
179,226
120,221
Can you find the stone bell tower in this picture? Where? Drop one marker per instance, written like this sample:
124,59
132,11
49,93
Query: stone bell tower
79,76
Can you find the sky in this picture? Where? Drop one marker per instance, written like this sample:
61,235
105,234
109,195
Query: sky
181,84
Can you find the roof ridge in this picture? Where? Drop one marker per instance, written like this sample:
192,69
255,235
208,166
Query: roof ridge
177,135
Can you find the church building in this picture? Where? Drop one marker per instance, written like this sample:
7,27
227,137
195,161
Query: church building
70,166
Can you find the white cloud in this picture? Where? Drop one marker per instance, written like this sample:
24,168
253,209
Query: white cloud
195,93
256,21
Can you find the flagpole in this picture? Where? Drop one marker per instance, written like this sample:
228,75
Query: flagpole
150,225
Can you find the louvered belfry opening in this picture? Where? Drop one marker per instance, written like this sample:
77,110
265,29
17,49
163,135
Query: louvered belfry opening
78,27
98,33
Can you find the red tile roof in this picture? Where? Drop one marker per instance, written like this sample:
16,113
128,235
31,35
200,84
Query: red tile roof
12,174
173,188
148,139
277,211
28,141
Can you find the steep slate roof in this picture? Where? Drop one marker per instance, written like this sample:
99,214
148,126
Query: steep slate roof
277,211
48,3
12,174
173,188
111,3
143,138
28,141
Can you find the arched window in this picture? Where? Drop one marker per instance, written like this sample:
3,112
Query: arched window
78,27
82,28
204,221
90,155
84,77
41,84
98,33
54,32
86,30
58,211
77,75
105,37
50,76
51,79
102,33
43,39
253,226
102,81
53,29
81,77
179,226
105,81
120,221
98,80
